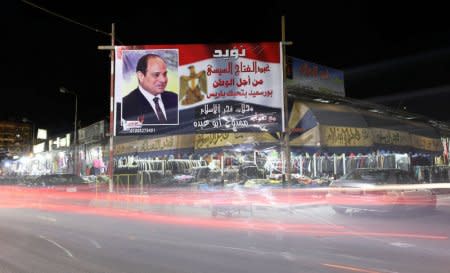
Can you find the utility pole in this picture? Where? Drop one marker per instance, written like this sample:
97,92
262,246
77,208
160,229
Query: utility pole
111,108
286,132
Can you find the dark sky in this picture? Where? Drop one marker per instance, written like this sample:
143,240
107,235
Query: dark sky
384,50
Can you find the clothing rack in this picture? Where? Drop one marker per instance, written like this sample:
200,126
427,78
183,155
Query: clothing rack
338,165
432,174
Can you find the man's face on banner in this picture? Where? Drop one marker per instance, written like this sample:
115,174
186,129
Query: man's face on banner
155,78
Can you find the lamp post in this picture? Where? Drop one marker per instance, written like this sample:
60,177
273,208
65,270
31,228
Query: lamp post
65,91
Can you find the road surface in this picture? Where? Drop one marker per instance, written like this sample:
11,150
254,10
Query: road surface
307,239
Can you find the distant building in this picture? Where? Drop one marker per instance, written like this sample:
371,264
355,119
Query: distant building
15,138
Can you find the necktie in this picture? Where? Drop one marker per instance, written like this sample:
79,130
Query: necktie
159,112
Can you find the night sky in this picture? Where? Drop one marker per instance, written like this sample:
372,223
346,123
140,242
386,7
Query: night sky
399,54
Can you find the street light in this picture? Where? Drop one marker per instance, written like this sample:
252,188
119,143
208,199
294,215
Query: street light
65,91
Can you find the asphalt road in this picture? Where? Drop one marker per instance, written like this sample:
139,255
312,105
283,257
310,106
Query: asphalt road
310,239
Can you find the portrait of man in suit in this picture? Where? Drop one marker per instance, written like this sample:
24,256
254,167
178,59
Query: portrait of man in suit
150,103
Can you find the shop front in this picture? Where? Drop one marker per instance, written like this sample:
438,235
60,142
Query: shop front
333,139
326,142
215,157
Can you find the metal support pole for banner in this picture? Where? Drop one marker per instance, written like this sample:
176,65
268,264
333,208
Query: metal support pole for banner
111,107
315,165
301,165
286,131
334,165
111,113
343,164
163,167
221,165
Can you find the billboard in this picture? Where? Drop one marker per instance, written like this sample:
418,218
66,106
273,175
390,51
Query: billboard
314,77
196,88
92,133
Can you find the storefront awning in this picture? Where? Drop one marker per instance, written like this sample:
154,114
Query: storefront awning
326,126
178,144
337,127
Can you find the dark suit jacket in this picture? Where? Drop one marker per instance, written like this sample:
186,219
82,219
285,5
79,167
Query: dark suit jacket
136,107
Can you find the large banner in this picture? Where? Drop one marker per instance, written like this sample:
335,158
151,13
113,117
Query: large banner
180,89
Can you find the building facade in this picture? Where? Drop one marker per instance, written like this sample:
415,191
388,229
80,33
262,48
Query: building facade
15,138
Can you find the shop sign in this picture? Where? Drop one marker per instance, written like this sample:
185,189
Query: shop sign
157,144
39,148
205,141
426,143
41,134
314,77
92,133
390,137
59,142
335,136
